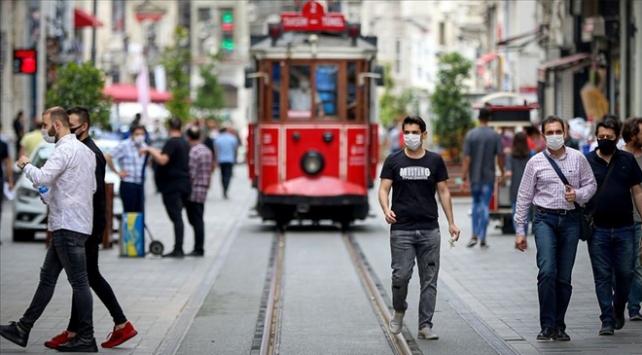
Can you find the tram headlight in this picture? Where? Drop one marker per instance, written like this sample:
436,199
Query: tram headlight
312,162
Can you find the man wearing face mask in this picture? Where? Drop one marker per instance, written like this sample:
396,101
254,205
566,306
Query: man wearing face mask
414,175
556,223
69,176
612,244
123,330
632,134
132,165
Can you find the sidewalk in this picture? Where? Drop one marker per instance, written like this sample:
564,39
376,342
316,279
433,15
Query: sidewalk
500,285
152,291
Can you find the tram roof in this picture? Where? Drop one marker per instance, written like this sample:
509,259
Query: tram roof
299,45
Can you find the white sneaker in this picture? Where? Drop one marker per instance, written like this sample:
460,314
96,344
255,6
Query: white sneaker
426,333
396,323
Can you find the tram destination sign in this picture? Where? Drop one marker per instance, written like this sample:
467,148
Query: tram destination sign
313,18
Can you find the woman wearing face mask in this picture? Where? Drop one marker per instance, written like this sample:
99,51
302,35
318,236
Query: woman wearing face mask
414,175
132,165
556,222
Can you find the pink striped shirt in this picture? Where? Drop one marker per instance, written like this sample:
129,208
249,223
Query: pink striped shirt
542,187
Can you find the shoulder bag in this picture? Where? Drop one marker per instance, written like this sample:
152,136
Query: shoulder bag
586,215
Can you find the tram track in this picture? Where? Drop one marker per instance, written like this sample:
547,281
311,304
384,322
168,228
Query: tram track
267,335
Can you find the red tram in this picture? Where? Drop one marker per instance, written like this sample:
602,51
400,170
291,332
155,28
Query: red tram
313,144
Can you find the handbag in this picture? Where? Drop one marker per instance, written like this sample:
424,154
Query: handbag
587,226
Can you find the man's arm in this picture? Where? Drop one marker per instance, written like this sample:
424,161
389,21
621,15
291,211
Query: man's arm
636,192
159,157
49,172
447,206
524,199
384,192
588,186
465,167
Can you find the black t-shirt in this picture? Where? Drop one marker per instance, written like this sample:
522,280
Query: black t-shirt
174,176
99,195
613,207
4,154
414,183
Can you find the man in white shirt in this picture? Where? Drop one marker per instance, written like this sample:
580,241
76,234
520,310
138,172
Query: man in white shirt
69,177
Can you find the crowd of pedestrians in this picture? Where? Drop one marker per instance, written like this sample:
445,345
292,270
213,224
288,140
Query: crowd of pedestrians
72,185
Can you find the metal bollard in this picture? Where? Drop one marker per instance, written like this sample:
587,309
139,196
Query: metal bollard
109,215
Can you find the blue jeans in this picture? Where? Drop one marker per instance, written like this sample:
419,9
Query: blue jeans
66,252
635,296
611,251
556,238
406,246
482,192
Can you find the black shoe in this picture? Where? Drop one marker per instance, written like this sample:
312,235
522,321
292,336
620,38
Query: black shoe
196,253
546,334
174,254
79,345
483,244
15,333
619,320
607,329
561,335
472,243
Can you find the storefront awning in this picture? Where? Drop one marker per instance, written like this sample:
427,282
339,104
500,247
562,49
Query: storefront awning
84,19
564,62
129,93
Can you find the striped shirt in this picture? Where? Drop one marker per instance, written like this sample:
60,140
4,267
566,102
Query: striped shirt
542,187
200,172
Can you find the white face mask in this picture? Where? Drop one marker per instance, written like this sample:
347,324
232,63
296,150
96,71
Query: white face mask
555,141
412,141
46,136
139,140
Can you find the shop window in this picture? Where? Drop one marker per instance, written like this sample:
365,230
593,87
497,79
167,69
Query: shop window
300,93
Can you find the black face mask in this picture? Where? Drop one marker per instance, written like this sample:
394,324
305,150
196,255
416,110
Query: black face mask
607,146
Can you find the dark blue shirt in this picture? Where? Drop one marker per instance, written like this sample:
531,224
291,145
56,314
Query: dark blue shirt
614,207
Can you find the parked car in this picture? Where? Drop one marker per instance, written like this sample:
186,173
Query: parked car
30,214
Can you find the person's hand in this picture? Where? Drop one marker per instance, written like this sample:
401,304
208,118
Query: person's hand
569,193
11,185
143,149
22,162
520,243
122,174
454,232
391,217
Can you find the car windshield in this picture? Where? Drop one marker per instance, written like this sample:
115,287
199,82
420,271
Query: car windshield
41,155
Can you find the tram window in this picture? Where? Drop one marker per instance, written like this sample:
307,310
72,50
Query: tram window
276,90
352,91
300,93
326,82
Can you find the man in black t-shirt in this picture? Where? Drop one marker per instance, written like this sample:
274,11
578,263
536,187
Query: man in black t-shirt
414,175
172,176
612,244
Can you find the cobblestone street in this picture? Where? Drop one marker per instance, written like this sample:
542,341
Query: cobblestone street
487,299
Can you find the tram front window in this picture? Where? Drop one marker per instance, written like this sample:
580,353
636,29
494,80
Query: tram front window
300,93
326,89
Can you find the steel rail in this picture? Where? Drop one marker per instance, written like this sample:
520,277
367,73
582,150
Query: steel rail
270,339
398,342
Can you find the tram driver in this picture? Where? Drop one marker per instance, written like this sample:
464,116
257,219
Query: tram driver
300,100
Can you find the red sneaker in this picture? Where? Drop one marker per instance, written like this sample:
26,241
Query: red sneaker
117,337
58,340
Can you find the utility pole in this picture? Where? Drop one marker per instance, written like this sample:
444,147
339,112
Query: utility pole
93,34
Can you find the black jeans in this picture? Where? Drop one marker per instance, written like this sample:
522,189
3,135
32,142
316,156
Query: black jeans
99,285
132,196
67,251
174,202
226,175
195,217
